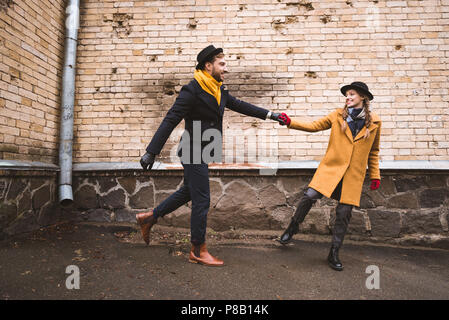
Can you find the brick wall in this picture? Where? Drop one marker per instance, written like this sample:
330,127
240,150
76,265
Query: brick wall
286,55
31,52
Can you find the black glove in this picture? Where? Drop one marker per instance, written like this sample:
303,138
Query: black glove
147,161
278,117
275,116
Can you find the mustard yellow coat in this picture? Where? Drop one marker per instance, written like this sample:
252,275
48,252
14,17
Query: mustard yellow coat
346,157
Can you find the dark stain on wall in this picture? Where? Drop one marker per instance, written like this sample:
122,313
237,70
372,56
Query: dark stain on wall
310,74
5,4
280,23
325,18
120,23
169,87
301,4
192,23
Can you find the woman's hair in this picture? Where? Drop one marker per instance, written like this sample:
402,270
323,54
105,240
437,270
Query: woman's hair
345,115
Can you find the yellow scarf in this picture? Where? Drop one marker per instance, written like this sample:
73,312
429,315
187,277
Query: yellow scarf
208,83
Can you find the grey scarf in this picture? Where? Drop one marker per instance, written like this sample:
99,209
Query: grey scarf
356,120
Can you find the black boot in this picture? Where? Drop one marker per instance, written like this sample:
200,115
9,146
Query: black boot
291,230
341,225
306,202
334,261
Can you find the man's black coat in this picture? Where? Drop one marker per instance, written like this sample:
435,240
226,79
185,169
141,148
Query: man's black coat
195,104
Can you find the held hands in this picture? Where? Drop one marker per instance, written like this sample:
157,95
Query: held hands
375,184
147,161
282,118
285,119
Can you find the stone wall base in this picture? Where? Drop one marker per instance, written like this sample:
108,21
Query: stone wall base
28,201
410,208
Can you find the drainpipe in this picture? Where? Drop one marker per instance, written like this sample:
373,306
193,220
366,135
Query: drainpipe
67,103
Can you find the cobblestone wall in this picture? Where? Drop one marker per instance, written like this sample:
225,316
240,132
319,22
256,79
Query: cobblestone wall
412,207
28,201
408,208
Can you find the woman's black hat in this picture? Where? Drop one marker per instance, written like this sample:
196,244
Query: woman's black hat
359,87
206,54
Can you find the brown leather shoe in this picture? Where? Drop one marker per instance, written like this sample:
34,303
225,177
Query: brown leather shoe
204,258
146,220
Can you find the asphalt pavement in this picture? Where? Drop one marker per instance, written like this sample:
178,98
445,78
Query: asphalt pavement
114,263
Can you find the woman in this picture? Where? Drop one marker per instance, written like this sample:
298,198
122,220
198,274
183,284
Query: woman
353,145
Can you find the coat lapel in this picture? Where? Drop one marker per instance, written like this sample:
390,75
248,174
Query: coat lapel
224,95
375,119
347,130
207,98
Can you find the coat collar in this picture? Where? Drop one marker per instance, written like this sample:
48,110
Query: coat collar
374,124
224,97
210,100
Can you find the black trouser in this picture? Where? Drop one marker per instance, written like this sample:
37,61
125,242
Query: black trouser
195,188
343,212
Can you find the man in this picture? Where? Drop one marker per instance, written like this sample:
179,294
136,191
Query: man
201,104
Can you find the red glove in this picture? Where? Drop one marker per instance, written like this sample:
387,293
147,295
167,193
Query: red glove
375,184
284,119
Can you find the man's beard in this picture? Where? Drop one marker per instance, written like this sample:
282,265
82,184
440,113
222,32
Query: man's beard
216,76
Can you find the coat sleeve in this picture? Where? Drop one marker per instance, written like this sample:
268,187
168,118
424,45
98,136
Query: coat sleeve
181,107
373,158
246,108
323,123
